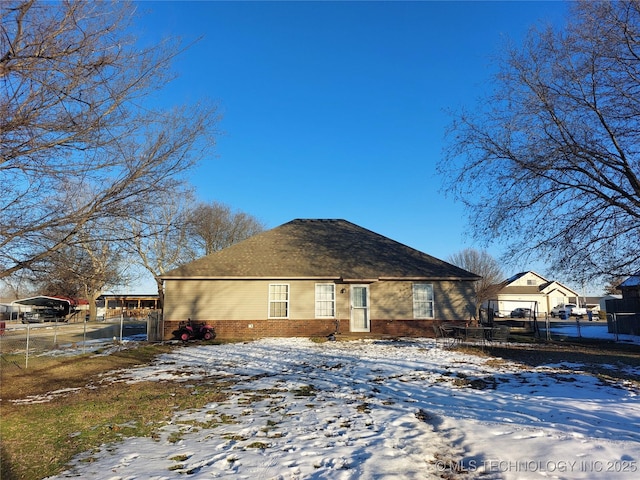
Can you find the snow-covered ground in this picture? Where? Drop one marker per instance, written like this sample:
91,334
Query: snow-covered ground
586,329
378,409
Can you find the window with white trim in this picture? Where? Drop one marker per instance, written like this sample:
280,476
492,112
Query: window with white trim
422,300
325,300
278,300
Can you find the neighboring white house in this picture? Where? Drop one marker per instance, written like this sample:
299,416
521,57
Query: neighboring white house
531,290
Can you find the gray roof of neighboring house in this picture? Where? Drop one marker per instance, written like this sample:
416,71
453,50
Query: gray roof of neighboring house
535,289
521,290
332,249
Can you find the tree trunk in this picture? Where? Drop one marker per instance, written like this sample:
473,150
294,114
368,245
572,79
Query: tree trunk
160,286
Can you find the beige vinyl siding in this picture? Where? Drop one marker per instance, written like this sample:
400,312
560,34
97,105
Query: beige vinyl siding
234,299
394,299
216,300
249,299
303,299
391,300
453,300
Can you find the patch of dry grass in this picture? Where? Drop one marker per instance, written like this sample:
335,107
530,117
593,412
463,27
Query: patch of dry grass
39,439
49,373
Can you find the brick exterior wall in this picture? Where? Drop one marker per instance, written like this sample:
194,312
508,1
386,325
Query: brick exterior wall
251,330
403,328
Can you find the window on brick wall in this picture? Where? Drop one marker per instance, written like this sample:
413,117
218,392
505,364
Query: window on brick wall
325,300
422,300
278,300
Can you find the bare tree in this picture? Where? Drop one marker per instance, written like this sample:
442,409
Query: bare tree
483,264
176,232
18,285
161,242
76,115
214,226
550,160
613,286
83,270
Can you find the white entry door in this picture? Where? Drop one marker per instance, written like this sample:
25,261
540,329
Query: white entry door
360,308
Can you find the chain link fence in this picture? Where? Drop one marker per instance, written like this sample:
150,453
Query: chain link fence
21,344
623,323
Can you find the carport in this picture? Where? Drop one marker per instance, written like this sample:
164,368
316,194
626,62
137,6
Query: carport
61,305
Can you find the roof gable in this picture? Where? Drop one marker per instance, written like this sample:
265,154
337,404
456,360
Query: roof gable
532,283
305,248
522,278
555,286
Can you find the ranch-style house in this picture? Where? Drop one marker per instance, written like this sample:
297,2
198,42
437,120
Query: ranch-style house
318,278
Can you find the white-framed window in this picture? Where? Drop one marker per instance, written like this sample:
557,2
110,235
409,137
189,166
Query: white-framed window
325,300
278,300
422,300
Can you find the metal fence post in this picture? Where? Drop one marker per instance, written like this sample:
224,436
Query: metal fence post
121,327
26,355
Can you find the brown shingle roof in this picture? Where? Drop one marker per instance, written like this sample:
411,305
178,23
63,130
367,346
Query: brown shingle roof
320,248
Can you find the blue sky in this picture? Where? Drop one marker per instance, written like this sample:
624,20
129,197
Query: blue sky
339,109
